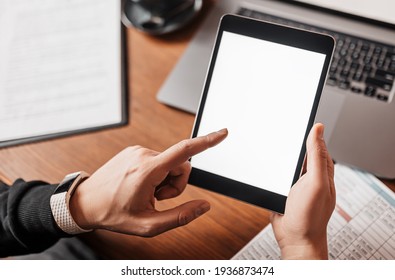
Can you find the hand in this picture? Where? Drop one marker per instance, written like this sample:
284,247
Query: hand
121,195
301,231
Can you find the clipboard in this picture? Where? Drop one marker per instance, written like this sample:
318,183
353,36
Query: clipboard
109,110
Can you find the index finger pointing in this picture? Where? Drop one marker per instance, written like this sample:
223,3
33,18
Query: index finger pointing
184,150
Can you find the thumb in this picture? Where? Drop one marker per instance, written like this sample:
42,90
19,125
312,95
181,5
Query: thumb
317,154
181,215
275,219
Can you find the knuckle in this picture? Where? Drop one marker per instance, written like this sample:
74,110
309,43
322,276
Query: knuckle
131,149
141,153
135,147
184,218
148,230
209,139
188,166
322,151
184,145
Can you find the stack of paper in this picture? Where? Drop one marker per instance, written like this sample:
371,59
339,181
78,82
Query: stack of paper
61,67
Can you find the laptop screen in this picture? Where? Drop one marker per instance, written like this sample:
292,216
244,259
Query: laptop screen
379,10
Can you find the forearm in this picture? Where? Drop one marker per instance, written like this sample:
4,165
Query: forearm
27,224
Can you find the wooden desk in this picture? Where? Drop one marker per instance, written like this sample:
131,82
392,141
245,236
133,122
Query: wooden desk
217,235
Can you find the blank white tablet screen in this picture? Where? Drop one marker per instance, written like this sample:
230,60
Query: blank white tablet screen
263,92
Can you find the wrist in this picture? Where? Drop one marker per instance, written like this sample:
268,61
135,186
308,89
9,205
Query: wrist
306,250
60,203
80,207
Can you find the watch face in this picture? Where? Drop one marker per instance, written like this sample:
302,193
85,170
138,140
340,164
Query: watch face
67,182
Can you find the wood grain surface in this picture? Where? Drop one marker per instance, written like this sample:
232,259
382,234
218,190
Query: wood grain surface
218,235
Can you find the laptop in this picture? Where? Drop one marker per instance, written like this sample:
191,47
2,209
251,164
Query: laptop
357,105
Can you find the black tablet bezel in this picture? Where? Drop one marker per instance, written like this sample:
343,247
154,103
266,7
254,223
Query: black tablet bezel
278,34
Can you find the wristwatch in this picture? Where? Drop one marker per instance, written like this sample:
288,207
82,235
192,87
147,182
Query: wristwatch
60,201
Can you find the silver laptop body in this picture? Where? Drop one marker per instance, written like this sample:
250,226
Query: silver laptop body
360,130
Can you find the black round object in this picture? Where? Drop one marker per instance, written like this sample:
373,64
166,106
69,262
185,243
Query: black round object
157,23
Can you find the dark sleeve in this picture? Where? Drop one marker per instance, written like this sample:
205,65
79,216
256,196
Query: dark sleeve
26,221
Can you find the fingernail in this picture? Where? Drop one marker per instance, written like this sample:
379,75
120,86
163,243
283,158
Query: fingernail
321,132
223,131
202,209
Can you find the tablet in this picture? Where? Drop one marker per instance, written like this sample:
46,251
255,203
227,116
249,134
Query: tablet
264,84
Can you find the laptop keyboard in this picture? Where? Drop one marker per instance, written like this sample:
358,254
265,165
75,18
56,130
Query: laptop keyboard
359,66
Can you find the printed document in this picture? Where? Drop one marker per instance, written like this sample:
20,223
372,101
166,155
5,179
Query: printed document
362,226
60,66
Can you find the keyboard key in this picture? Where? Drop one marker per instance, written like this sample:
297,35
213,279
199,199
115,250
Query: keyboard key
355,58
367,69
381,83
365,47
368,60
390,55
345,73
382,97
333,68
343,53
370,91
332,81
342,62
356,89
354,65
388,76
344,84
377,50
358,76
380,63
